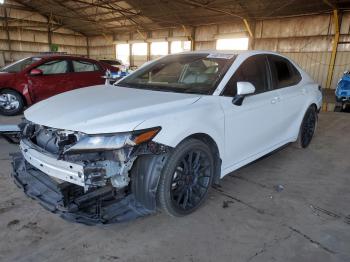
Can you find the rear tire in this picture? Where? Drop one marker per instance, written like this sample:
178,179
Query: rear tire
11,102
186,178
307,128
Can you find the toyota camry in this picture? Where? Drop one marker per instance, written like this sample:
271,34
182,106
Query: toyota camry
159,138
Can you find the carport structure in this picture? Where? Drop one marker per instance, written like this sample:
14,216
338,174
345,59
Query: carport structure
312,33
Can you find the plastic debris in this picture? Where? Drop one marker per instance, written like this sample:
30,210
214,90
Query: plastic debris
279,188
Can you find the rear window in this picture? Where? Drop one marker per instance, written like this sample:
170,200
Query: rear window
285,74
84,66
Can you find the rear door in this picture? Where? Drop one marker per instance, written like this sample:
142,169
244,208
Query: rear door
54,80
254,127
287,80
86,73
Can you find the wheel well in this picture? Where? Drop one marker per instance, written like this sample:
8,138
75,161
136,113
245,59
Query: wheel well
14,90
208,140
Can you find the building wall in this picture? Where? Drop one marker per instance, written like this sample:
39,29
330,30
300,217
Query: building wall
101,47
25,33
308,41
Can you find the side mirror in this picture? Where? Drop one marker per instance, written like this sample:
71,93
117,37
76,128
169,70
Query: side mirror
36,72
243,89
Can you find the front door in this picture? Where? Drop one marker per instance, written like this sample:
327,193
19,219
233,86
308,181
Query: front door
53,80
253,128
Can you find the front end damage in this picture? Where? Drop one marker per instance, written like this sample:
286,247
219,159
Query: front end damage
90,180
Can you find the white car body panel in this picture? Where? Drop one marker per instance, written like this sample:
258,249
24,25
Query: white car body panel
205,114
263,123
105,108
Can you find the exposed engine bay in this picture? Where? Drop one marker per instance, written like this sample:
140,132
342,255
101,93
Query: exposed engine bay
84,183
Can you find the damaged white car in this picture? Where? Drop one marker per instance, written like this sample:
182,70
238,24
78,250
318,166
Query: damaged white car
162,136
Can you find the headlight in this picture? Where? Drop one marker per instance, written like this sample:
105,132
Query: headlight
113,141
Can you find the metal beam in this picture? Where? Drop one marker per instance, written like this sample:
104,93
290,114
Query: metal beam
247,26
7,31
78,15
90,4
87,47
122,12
107,7
49,33
330,4
334,48
197,4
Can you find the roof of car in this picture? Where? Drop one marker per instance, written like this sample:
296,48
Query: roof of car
60,56
230,52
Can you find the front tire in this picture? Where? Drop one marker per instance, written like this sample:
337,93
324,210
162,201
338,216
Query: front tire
11,102
186,178
307,128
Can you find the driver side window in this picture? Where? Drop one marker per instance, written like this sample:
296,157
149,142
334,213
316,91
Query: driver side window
54,67
254,70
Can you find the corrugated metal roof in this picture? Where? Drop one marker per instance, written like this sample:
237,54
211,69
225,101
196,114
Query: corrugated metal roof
93,17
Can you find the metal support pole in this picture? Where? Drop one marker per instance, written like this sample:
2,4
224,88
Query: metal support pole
88,47
334,48
170,34
251,34
247,26
193,39
149,35
49,33
131,58
7,33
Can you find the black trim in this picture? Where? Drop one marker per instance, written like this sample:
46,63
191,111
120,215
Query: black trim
291,67
268,78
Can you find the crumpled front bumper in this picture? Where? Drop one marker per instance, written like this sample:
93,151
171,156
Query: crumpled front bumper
100,206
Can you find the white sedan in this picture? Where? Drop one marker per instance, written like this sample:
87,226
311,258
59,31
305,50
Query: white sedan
162,136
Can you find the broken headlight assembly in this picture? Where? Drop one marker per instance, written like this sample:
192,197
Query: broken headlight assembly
106,142
108,157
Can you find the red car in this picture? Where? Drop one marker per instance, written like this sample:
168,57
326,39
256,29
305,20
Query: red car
33,79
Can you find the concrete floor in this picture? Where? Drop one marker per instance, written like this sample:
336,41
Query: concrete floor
247,219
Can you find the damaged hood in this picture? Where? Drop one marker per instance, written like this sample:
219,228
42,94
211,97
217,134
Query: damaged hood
105,108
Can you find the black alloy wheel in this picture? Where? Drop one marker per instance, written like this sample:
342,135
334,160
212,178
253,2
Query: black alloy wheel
308,127
186,178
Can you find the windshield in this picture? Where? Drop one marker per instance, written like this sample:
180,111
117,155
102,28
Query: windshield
184,73
20,65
